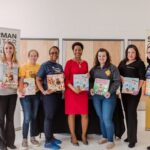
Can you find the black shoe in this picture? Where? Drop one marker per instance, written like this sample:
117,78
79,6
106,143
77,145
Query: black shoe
3,147
75,144
85,142
148,148
131,145
12,146
126,140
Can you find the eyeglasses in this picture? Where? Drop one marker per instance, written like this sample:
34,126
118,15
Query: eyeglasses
53,53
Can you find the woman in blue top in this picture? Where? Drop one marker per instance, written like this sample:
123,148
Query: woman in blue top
51,99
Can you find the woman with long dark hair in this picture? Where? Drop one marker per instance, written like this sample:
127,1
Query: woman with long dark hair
104,104
132,66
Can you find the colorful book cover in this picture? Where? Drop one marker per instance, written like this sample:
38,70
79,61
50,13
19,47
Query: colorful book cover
130,85
29,86
9,76
81,81
101,86
147,89
56,82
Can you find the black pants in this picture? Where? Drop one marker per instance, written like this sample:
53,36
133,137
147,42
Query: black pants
50,103
130,103
7,109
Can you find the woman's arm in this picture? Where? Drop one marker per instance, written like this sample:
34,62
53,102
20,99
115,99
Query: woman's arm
67,73
116,80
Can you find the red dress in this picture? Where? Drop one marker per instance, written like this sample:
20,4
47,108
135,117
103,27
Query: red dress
75,103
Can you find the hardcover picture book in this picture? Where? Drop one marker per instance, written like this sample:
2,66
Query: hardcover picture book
147,88
8,76
130,85
81,81
29,86
101,86
56,82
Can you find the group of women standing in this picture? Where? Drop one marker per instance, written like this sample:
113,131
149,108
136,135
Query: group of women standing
76,100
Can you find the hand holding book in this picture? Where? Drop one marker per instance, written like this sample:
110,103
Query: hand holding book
107,95
47,92
92,92
77,90
2,85
20,93
135,92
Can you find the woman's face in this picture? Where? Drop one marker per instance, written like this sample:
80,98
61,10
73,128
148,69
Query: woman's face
102,58
148,53
33,57
54,53
131,55
8,50
77,51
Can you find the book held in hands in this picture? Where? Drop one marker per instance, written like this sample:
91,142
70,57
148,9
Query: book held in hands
81,81
130,85
29,87
8,76
55,82
101,86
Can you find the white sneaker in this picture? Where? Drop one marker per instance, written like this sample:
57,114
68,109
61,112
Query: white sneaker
24,144
102,141
35,142
110,145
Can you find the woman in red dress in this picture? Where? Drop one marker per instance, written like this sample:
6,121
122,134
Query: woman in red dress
76,101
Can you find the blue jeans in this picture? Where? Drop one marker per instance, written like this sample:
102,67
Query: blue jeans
30,105
104,108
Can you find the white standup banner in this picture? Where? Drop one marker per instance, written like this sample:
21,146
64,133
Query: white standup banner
13,35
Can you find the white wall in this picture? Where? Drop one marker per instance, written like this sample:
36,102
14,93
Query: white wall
77,18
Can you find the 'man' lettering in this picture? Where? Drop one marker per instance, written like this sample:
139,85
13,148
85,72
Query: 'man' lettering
8,35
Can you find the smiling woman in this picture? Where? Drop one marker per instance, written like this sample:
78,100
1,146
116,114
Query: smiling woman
76,100
51,97
8,94
133,67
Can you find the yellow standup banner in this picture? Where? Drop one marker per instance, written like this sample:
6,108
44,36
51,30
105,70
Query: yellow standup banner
147,124
147,111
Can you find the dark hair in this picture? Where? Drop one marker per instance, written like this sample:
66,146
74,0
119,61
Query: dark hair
53,47
136,51
148,60
77,44
33,50
108,61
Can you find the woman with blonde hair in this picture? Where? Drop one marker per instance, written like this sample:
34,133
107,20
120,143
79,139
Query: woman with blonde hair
8,94
29,100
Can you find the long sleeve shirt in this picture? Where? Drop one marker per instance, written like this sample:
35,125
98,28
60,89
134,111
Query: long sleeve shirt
111,73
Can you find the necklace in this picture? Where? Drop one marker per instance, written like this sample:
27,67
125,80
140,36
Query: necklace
79,63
